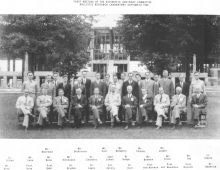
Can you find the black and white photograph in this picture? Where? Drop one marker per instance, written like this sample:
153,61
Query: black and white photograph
109,76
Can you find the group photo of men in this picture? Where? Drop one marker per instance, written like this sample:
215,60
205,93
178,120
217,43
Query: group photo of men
131,101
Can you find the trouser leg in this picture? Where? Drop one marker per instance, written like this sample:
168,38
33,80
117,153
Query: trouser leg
26,113
128,115
42,116
159,121
77,117
96,116
61,115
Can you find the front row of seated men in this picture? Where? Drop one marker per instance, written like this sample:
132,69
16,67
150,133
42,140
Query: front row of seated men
112,102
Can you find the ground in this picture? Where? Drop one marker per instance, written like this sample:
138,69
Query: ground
10,129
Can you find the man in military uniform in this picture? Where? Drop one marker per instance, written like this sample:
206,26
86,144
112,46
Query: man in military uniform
24,106
61,104
112,102
43,107
96,102
161,103
178,106
33,89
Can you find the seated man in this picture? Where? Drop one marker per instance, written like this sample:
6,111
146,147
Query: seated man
161,103
178,105
43,107
96,102
112,102
145,107
78,103
24,105
129,104
198,103
61,104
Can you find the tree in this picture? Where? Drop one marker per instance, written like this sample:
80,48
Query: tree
58,41
166,40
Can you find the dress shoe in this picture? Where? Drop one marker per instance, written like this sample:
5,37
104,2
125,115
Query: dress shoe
82,121
158,127
126,128
112,126
139,126
132,124
95,127
174,127
100,122
117,119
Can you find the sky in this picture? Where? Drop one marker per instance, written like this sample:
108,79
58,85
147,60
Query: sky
107,20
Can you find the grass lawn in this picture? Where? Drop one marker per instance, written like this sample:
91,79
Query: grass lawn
10,129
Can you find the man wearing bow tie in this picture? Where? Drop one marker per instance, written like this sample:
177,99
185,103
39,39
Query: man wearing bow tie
43,103
130,82
178,106
198,104
78,103
145,107
24,107
161,103
61,104
112,102
96,102
129,103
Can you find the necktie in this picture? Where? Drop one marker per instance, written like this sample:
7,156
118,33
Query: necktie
84,81
130,82
160,98
25,100
55,83
61,99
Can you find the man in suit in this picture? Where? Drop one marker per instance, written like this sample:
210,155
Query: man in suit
96,102
129,103
55,82
198,104
107,82
145,107
51,89
66,86
61,104
156,78
78,85
43,103
117,84
167,84
87,83
178,106
112,102
138,79
130,82
24,106
184,86
161,103
78,103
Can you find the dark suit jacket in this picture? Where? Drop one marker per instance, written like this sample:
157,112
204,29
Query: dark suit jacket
133,103
156,88
82,102
99,103
167,86
76,86
102,88
87,85
202,102
135,88
107,85
185,88
148,103
56,87
67,89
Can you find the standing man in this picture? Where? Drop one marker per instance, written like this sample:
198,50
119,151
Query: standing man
167,84
66,86
130,82
107,82
78,103
96,102
55,82
156,80
33,89
24,106
145,107
184,86
161,103
178,106
87,83
43,103
138,79
129,103
112,102
61,104
78,85
117,84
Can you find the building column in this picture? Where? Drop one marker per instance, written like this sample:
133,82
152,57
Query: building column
8,63
5,81
14,82
38,80
13,64
26,62
194,63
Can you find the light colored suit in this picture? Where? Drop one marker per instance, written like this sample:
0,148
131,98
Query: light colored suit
178,105
51,89
158,103
24,105
195,84
113,100
43,104
168,86
60,107
149,86
118,87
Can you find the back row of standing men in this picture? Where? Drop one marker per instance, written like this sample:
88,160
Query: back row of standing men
88,88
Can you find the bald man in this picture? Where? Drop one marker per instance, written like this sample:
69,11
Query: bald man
178,106
129,104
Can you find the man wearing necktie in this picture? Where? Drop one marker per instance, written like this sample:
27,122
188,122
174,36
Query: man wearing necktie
129,103
66,86
43,103
96,102
198,105
55,82
24,107
78,85
161,103
156,78
78,103
178,106
112,102
183,85
61,104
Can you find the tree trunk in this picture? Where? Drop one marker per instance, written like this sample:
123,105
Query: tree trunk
187,67
23,58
